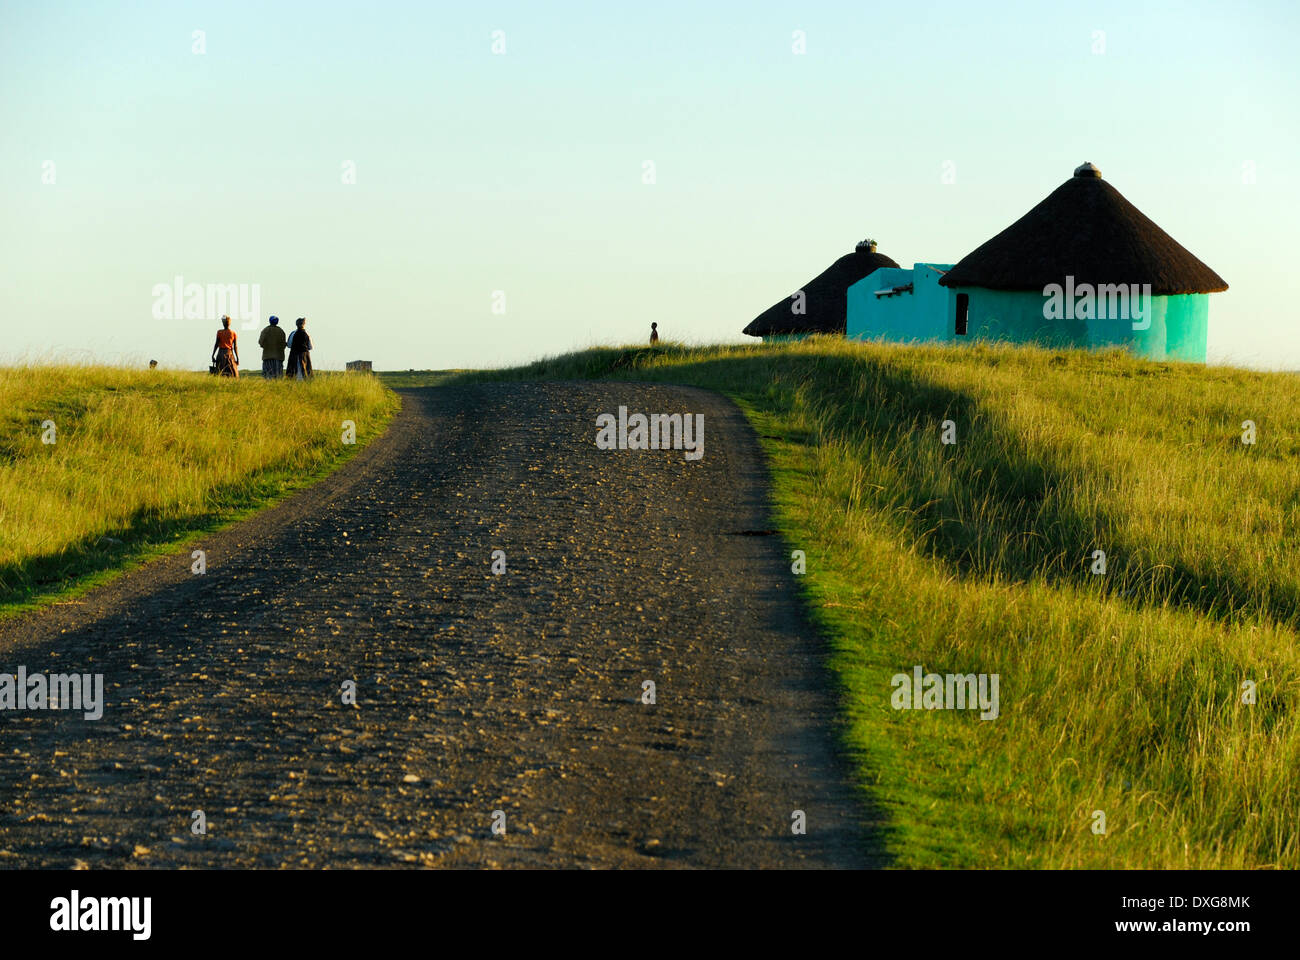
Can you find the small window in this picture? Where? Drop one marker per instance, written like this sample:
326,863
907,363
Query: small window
963,310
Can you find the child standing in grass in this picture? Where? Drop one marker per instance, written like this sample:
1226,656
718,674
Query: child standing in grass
654,334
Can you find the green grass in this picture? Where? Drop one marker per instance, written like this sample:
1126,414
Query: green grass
397,379
145,460
1118,693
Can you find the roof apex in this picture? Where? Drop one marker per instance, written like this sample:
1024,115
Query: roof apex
1087,230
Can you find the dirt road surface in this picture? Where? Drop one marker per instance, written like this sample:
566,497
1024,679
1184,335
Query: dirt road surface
476,692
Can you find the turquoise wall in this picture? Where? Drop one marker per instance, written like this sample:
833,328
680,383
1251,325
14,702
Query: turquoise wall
1015,315
919,315
1178,330
1186,332
1179,324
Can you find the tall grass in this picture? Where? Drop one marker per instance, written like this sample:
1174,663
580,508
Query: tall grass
1120,692
143,459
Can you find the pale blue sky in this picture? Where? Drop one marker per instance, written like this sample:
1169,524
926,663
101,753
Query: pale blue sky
522,172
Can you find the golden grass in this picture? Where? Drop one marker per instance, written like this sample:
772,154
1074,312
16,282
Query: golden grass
149,457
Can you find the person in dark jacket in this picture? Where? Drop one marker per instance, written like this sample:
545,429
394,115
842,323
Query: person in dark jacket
271,340
299,351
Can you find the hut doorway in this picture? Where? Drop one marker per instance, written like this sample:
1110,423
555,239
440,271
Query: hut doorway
963,311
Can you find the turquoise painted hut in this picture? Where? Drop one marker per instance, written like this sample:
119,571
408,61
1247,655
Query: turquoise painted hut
898,304
1084,268
819,306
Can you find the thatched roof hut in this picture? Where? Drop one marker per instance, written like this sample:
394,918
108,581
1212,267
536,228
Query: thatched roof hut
1085,229
824,297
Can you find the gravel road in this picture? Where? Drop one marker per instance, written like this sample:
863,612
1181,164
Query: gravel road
475,692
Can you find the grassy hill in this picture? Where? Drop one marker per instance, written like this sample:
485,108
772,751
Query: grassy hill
1120,692
143,460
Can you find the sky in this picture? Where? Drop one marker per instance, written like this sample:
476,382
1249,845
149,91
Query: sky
480,184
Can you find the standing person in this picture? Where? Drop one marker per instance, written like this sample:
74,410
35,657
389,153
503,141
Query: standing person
271,340
654,334
225,352
300,351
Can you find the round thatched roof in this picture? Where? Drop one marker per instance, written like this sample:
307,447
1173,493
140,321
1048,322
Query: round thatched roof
824,297
1084,228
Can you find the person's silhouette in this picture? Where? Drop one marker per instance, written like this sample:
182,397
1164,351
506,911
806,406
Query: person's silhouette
654,333
225,352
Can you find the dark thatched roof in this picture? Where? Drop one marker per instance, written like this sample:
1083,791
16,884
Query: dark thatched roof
824,297
1085,228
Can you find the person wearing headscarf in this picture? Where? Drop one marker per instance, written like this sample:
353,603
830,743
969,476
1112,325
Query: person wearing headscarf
300,351
225,352
271,340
